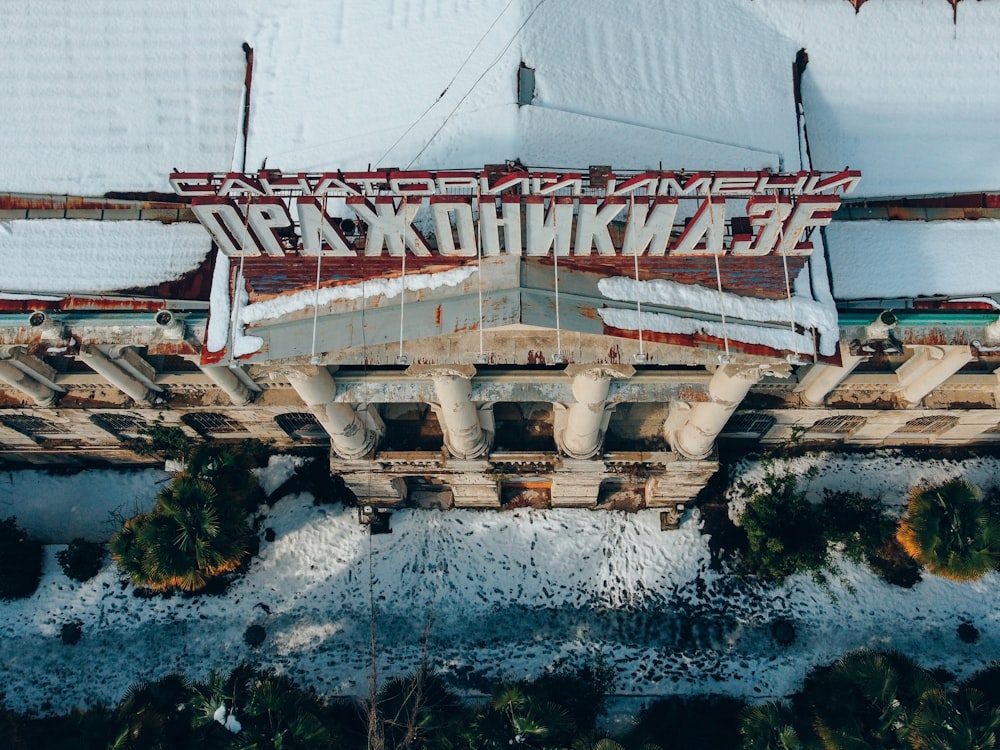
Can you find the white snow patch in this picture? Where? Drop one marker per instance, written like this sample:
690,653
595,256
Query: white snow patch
510,594
56,508
219,316
896,90
290,303
781,339
883,259
279,470
804,311
90,257
96,98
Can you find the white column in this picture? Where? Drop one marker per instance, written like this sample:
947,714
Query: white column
117,375
691,429
463,435
40,393
928,368
823,378
226,380
316,387
581,434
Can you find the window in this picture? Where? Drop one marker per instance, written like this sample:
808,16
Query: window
748,424
213,423
34,427
119,424
927,425
834,427
301,425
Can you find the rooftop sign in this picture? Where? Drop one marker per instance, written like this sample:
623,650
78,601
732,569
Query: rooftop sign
507,210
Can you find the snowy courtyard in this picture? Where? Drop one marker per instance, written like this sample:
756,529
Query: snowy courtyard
499,594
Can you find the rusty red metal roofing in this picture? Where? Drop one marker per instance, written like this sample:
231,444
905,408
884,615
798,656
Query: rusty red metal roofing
761,277
163,207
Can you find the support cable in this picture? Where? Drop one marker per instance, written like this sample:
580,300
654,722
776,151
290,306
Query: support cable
476,83
718,281
784,262
239,280
313,357
401,358
479,259
641,356
558,358
448,86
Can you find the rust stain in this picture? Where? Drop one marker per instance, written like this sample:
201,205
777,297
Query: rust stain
82,303
932,337
536,358
437,316
694,341
211,358
691,394
26,202
172,348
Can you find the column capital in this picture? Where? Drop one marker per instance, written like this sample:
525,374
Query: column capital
466,372
599,370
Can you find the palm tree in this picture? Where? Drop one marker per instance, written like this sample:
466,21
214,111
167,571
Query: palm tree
950,531
153,715
514,717
279,714
187,539
866,700
768,727
948,720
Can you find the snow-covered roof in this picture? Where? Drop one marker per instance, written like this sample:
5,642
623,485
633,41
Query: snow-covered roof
899,91
98,96
96,99
89,257
884,259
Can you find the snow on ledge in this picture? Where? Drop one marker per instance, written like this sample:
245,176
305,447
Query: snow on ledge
291,303
776,338
806,312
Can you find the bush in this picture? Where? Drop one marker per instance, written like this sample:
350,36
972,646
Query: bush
20,561
950,531
81,560
164,441
867,533
785,533
788,534
689,723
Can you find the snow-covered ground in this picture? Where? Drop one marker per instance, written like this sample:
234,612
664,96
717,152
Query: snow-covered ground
56,508
507,594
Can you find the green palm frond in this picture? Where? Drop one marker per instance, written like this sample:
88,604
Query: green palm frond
948,529
768,726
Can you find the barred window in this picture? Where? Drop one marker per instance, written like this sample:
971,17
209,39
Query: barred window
748,423
928,425
838,425
32,426
119,424
301,425
212,423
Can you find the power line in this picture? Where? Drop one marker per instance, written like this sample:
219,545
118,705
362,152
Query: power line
473,86
445,91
